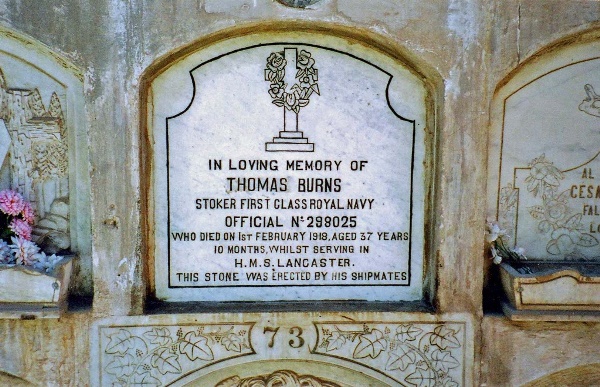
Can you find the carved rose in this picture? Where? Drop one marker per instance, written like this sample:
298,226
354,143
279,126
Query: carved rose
298,94
304,60
555,211
276,62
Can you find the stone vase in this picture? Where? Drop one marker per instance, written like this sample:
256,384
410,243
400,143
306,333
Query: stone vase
552,286
26,292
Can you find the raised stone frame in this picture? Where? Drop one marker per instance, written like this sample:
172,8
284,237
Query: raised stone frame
542,152
53,117
366,41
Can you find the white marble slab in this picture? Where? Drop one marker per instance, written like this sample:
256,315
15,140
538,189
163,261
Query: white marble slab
44,146
261,198
544,166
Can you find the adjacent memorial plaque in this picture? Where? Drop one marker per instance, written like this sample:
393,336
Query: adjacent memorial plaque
288,170
544,166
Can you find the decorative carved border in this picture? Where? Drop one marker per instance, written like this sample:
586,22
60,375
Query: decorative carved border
159,355
411,350
408,352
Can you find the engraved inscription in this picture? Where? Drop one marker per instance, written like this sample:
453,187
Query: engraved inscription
305,178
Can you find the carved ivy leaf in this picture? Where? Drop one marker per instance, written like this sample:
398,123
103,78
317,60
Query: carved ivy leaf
586,240
336,341
443,360
121,342
166,361
370,345
121,365
144,379
422,378
401,358
407,332
195,346
159,335
443,337
232,342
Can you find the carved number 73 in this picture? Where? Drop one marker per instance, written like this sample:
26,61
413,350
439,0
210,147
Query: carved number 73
296,342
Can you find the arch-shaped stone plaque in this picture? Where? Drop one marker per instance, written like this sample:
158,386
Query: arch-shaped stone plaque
43,146
286,169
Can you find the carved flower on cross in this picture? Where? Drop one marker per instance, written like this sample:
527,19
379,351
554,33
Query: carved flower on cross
276,90
276,63
298,94
291,100
304,60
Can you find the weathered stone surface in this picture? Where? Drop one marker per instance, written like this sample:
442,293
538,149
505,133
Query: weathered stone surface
543,155
60,207
465,49
514,354
381,350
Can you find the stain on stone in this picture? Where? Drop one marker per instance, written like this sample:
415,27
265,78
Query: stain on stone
298,3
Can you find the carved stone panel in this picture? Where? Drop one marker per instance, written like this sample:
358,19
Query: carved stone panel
38,149
288,170
43,146
544,160
326,349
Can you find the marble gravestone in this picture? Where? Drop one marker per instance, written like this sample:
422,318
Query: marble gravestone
545,168
288,170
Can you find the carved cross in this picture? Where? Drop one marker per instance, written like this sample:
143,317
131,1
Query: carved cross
290,119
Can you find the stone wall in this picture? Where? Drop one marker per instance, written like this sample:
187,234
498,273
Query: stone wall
464,48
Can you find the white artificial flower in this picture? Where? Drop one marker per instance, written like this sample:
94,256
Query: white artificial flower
494,232
24,251
495,257
6,256
46,263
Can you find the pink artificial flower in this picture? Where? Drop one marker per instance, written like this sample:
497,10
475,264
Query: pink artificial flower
11,202
28,213
21,228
